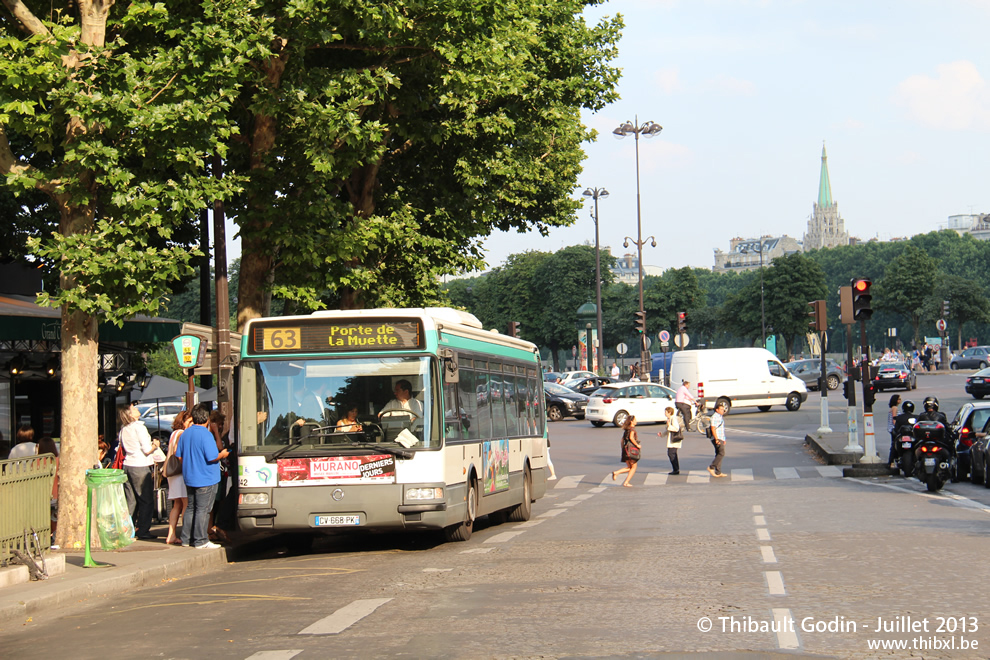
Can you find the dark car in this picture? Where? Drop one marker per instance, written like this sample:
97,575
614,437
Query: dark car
563,402
977,357
979,455
588,385
895,375
979,384
809,370
970,418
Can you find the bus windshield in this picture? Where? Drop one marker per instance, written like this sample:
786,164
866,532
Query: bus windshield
316,406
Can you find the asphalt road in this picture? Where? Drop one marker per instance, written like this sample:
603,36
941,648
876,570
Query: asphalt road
604,571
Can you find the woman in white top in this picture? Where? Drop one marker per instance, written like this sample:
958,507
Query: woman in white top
675,434
176,485
139,487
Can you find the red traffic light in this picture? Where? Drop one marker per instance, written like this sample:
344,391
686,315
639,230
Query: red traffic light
861,285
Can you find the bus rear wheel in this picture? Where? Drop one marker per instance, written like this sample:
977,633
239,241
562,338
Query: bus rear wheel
522,512
462,531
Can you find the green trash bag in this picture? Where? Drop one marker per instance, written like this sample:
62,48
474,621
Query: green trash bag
113,522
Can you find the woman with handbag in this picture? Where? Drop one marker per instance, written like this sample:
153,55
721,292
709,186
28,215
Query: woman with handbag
173,470
630,450
675,434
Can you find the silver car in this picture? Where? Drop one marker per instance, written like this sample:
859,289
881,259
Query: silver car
809,370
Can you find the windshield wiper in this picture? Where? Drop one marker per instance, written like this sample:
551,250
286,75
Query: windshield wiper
278,452
400,453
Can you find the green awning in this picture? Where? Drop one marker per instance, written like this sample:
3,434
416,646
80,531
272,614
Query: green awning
21,319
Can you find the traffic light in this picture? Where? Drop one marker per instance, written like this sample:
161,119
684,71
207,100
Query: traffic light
862,300
945,309
641,322
845,304
846,384
514,328
681,322
819,320
869,395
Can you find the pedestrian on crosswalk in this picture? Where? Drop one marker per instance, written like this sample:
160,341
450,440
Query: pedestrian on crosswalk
675,434
718,439
630,450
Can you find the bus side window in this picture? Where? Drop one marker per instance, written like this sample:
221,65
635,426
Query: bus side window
451,412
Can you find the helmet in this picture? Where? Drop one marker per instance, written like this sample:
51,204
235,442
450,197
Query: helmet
907,407
931,404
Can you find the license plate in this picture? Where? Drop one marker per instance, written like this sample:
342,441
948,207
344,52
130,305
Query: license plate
977,380
929,461
337,521
906,444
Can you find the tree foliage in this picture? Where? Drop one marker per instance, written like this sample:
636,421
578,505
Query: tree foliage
906,285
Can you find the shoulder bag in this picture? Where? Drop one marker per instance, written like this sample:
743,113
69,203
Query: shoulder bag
173,464
631,450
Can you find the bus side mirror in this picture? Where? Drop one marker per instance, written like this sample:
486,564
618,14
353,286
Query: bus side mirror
451,372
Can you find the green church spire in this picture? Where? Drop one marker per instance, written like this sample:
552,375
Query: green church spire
824,189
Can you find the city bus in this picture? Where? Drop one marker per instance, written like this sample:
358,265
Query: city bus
386,419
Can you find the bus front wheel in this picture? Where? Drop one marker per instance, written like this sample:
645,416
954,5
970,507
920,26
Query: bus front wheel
522,512
462,531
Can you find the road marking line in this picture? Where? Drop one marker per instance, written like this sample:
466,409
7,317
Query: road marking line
965,502
476,551
655,479
698,477
345,617
762,534
529,523
768,556
437,570
597,489
783,624
760,520
769,435
786,473
757,508
775,583
740,475
569,482
567,503
274,655
829,470
503,537
551,513
582,497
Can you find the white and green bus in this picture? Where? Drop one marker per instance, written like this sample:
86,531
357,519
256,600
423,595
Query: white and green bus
386,419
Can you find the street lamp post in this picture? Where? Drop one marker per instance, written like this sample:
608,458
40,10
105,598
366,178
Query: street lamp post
749,249
596,194
648,129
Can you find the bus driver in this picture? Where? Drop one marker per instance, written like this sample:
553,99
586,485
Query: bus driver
403,402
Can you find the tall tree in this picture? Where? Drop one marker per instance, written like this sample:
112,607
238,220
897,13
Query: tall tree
906,285
967,302
791,282
386,140
113,115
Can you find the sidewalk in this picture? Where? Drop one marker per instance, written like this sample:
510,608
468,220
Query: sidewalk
141,564
830,447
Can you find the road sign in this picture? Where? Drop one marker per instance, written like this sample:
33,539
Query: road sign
664,336
649,342
664,344
621,349
680,341
940,324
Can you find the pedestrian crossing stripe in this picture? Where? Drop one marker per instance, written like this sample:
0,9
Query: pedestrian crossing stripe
704,477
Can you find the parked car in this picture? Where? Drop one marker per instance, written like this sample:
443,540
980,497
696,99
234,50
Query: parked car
979,384
614,403
891,375
573,375
970,418
551,376
979,455
158,417
587,385
563,402
809,370
977,357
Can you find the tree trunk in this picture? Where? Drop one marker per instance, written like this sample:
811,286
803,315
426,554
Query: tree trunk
79,452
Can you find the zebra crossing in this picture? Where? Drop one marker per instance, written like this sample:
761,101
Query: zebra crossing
645,478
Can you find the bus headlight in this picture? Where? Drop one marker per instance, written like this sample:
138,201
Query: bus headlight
256,499
424,494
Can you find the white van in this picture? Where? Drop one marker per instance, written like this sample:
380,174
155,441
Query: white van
739,377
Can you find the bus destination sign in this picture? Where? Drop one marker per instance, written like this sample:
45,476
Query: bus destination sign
331,336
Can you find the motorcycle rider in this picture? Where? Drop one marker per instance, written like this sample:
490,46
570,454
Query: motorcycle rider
932,414
906,418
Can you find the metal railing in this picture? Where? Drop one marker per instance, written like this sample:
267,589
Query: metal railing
25,502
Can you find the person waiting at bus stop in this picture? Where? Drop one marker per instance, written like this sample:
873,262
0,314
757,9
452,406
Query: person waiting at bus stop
201,473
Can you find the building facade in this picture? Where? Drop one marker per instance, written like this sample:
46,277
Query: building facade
826,228
744,253
976,225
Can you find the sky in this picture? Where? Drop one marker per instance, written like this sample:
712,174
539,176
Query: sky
748,91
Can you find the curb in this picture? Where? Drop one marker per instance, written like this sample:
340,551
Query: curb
62,591
830,457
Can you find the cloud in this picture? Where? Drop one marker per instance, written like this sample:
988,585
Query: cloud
668,80
957,99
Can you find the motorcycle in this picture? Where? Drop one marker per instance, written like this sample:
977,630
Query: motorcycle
904,446
935,462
